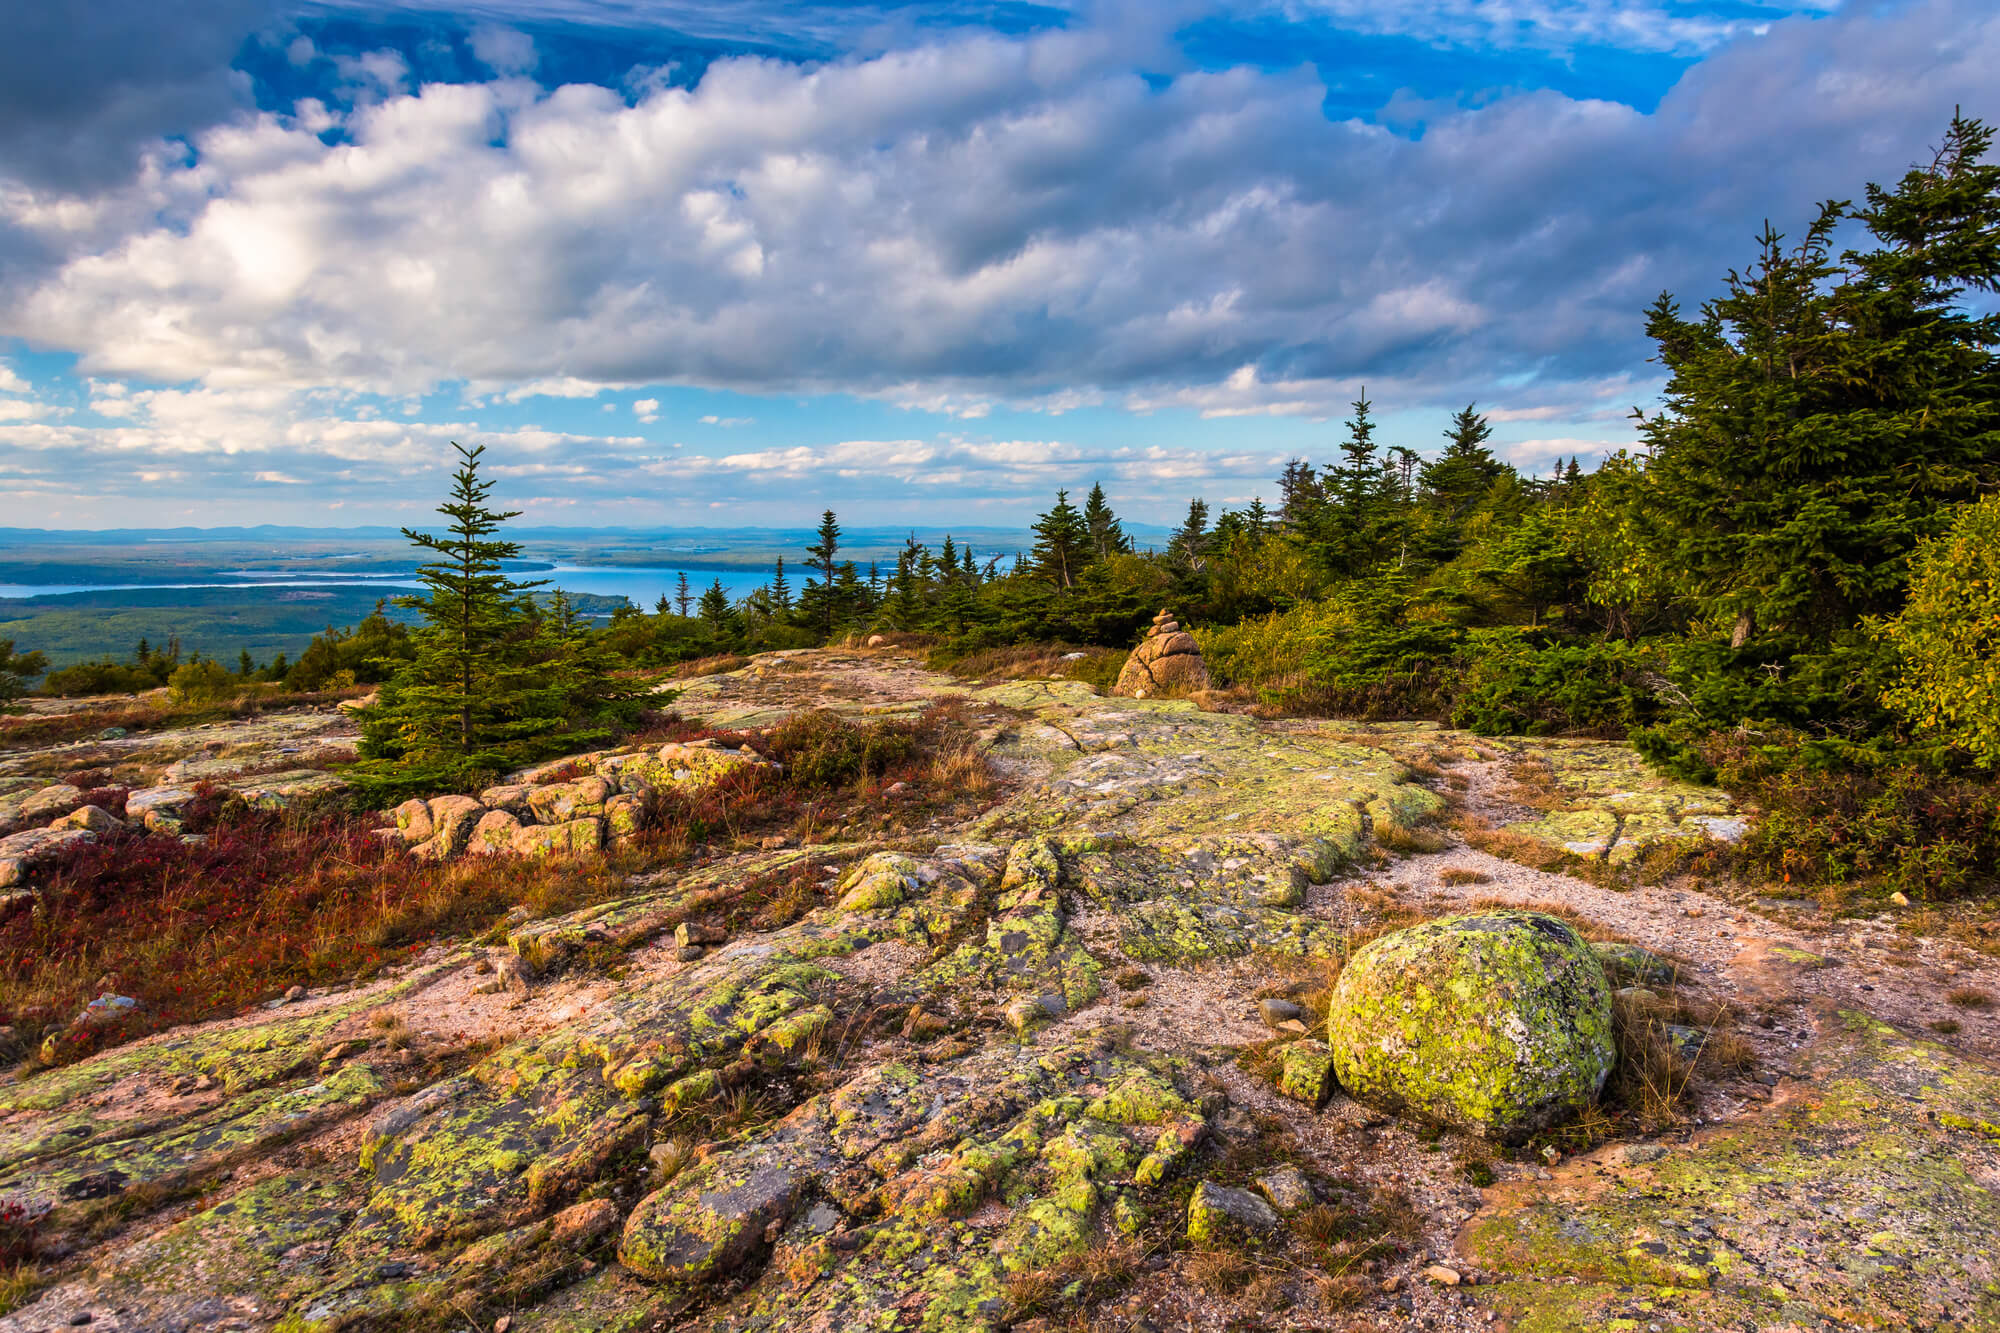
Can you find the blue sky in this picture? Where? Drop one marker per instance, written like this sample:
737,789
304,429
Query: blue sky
708,262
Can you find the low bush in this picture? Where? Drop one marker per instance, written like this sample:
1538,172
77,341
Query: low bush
821,750
198,683
1855,818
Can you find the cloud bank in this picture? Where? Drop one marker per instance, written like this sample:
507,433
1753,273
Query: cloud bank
1047,219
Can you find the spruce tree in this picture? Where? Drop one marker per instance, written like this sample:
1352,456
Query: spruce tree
1190,543
1822,416
715,609
1457,479
819,598
1107,535
781,587
1299,494
1062,546
683,595
462,708
579,698
1356,477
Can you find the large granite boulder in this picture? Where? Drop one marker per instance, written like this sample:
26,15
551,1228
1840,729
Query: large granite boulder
1498,1023
1166,665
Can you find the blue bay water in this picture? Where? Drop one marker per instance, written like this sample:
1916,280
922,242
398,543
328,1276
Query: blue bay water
643,585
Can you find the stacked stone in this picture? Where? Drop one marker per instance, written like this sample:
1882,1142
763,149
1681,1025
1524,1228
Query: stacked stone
1167,664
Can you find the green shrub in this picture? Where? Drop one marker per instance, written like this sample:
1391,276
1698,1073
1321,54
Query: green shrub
203,682
1947,638
1373,649
821,751
1515,682
104,676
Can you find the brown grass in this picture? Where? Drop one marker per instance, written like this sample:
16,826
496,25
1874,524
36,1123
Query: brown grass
1457,875
18,1283
1970,997
1219,1272
1098,667
1400,841
1098,1272
707,666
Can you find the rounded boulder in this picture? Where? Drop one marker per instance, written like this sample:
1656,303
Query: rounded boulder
1497,1023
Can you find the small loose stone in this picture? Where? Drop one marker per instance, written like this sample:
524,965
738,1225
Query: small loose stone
1278,1012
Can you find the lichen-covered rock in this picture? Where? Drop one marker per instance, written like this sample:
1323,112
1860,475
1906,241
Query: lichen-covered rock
413,820
1847,1207
624,816
511,797
1167,664
1218,1214
578,837
1497,1023
917,1178
1629,964
453,818
882,880
1306,1072
160,809
1287,1188
494,834
563,802
709,1220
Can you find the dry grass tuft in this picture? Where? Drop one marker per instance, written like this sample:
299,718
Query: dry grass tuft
18,1284
669,1159
1970,997
1400,841
1218,1272
1457,875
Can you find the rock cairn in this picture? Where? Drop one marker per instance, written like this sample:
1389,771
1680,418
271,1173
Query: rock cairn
1166,665
536,813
